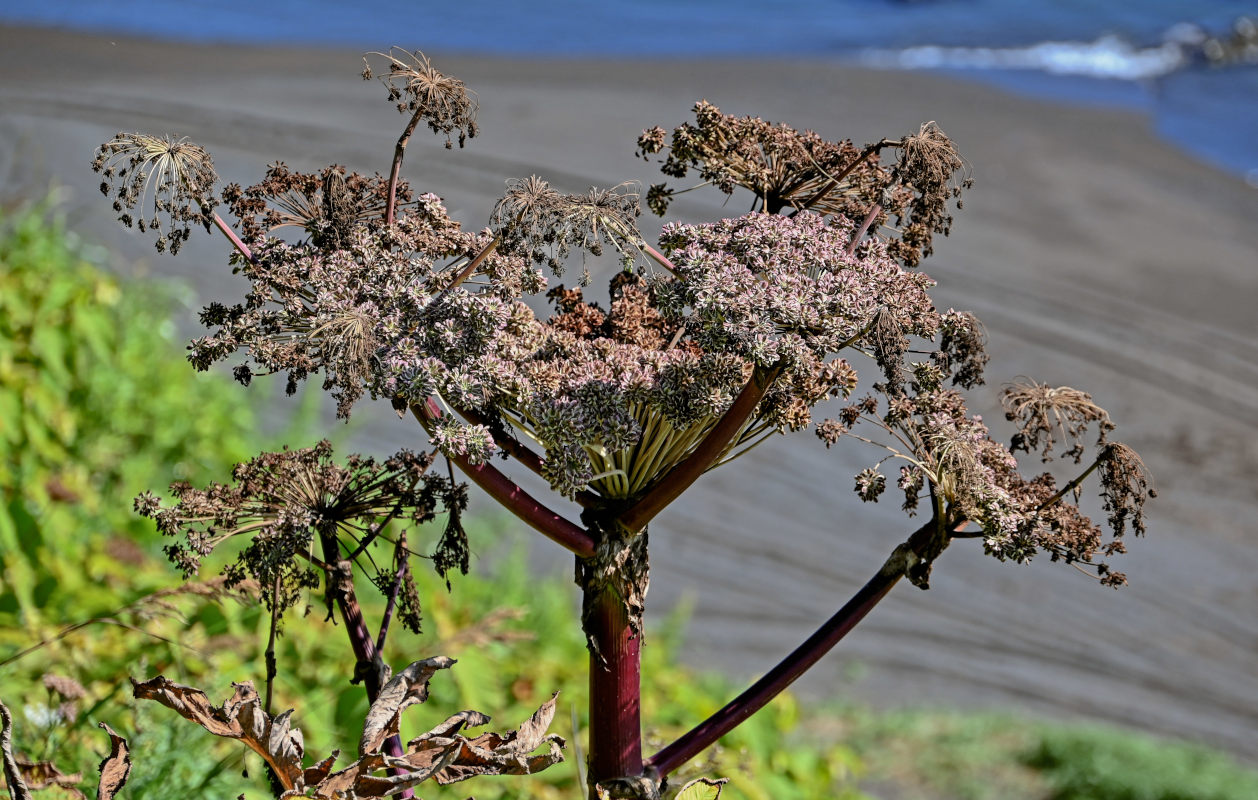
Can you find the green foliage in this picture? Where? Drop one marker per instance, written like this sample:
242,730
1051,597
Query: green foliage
95,406
1082,763
988,756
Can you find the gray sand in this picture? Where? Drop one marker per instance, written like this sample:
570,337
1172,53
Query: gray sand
1096,255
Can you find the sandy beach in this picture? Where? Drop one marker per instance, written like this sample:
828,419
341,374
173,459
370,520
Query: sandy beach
1096,255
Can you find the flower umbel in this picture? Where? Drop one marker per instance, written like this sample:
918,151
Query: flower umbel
417,87
163,176
286,502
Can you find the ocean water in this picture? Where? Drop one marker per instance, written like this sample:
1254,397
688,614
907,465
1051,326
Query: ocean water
1181,62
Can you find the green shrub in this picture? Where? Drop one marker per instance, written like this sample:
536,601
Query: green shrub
95,406
1098,763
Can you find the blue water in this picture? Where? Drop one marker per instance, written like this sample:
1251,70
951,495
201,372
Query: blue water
1138,54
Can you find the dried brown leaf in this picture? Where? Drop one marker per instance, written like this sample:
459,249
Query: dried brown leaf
443,753
494,753
407,688
241,717
43,774
533,732
116,766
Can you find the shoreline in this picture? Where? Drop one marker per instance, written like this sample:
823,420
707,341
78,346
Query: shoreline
1096,254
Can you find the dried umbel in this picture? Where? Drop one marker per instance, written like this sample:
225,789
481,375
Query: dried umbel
785,168
327,205
538,222
781,166
420,89
290,505
159,184
1046,413
969,477
923,180
346,308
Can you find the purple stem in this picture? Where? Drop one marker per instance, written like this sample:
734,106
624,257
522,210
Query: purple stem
874,211
522,453
615,694
360,642
390,208
706,733
513,498
240,246
403,567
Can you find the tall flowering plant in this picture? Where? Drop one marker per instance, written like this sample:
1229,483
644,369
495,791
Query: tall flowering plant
716,338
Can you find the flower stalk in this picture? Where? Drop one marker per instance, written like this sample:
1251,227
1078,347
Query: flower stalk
776,680
511,497
682,476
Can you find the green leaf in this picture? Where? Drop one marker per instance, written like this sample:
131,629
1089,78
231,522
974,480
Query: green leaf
701,789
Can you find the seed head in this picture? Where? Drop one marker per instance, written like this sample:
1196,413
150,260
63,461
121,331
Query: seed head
166,177
1045,413
418,88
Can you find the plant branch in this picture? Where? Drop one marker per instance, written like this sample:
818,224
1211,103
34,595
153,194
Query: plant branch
390,207
511,497
521,452
798,662
240,246
400,556
270,641
368,664
874,211
682,476
1074,484
834,180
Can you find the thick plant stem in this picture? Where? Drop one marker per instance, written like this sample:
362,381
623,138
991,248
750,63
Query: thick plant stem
776,680
615,691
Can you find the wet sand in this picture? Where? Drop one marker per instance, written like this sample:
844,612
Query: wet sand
1096,254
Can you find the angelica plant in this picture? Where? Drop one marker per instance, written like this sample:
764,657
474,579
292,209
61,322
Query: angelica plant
717,337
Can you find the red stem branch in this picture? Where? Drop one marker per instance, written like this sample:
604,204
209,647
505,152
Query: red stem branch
513,498
776,680
522,453
834,181
874,211
679,478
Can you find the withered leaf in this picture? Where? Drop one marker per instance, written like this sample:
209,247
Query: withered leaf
491,753
241,717
405,689
444,754
533,732
42,774
116,766
316,774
